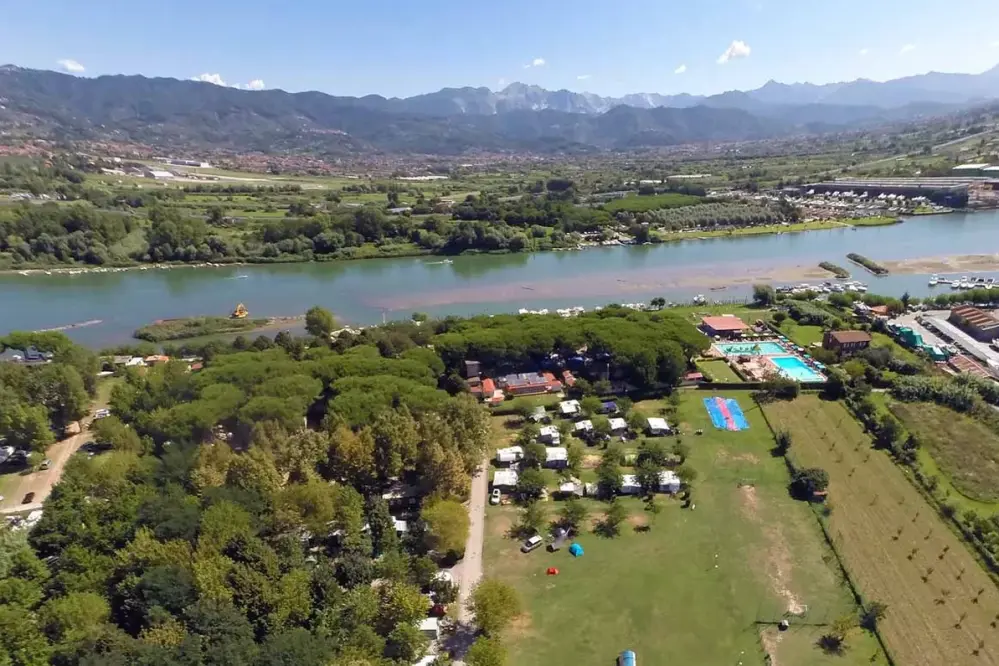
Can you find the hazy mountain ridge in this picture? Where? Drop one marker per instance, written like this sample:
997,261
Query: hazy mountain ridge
190,114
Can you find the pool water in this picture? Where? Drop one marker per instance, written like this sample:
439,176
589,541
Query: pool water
750,348
794,368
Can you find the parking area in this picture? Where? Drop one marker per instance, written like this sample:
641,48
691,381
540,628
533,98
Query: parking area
939,327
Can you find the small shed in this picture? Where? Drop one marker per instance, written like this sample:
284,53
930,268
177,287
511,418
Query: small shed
618,425
568,407
430,627
549,435
556,457
657,426
505,478
511,454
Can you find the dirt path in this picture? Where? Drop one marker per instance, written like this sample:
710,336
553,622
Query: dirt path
468,572
41,482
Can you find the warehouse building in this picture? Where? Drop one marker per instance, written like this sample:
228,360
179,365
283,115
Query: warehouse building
976,323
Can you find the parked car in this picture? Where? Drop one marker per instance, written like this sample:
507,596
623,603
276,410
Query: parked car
45,464
28,499
532,543
496,496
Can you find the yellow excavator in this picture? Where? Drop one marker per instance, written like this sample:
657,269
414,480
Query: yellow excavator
240,312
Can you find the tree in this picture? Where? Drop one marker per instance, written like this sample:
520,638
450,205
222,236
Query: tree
535,455
111,432
834,640
494,604
531,483
572,514
609,477
319,322
783,439
405,643
764,295
74,617
447,524
806,482
486,652
613,517
21,641
591,405
780,317
873,612
532,519
648,472
687,474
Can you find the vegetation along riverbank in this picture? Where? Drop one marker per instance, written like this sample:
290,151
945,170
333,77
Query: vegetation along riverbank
193,327
869,264
838,271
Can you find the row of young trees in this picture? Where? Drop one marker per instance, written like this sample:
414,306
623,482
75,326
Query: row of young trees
709,215
240,514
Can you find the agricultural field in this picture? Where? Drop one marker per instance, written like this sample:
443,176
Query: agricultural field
697,586
639,204
964,449
942,607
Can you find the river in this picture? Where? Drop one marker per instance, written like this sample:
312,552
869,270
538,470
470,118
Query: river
366,291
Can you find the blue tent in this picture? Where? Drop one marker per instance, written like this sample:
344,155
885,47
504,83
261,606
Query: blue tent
576,550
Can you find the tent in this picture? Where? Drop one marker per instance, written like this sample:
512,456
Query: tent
576,550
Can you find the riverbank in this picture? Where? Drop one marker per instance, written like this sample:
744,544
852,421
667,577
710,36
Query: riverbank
184,328
813,225
945,265
410,250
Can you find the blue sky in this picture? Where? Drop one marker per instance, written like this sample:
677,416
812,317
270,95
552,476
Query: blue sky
406,47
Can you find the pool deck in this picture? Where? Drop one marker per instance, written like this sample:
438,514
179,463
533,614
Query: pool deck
757,366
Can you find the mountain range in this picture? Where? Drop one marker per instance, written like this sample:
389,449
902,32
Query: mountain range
192,115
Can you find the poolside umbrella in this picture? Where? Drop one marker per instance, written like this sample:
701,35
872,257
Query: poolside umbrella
576,550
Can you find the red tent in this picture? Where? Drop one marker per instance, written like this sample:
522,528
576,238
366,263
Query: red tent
552,571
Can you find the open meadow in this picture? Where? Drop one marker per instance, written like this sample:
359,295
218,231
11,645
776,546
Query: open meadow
700,586
942,607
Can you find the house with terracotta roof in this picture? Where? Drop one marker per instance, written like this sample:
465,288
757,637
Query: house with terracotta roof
529,383
725,326
846,342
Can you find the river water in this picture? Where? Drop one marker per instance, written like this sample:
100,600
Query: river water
366,291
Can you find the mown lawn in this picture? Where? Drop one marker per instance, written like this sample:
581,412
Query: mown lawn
966,450
719,370
941,604
689,590
801,334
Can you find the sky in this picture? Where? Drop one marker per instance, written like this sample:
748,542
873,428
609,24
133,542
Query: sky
409,47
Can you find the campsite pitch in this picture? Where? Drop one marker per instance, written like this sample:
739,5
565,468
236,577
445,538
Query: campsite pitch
941,604
699,585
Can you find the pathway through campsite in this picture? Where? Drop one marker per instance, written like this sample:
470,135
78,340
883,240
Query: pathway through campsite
469,571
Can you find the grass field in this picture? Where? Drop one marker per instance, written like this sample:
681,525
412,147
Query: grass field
691,589
719,370
801,334
637,204
941,605
964,449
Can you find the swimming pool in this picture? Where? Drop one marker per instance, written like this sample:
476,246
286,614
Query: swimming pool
794,368
750,348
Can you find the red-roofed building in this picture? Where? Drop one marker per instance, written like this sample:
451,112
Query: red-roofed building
530,383
725,326
568,379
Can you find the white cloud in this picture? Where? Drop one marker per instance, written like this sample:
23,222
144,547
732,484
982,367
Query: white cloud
908,48
211,78
680,70
737,49
501,83
583,77
216,79
70,65
864,51
537,62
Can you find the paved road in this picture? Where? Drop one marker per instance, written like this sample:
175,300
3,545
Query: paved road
468,572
